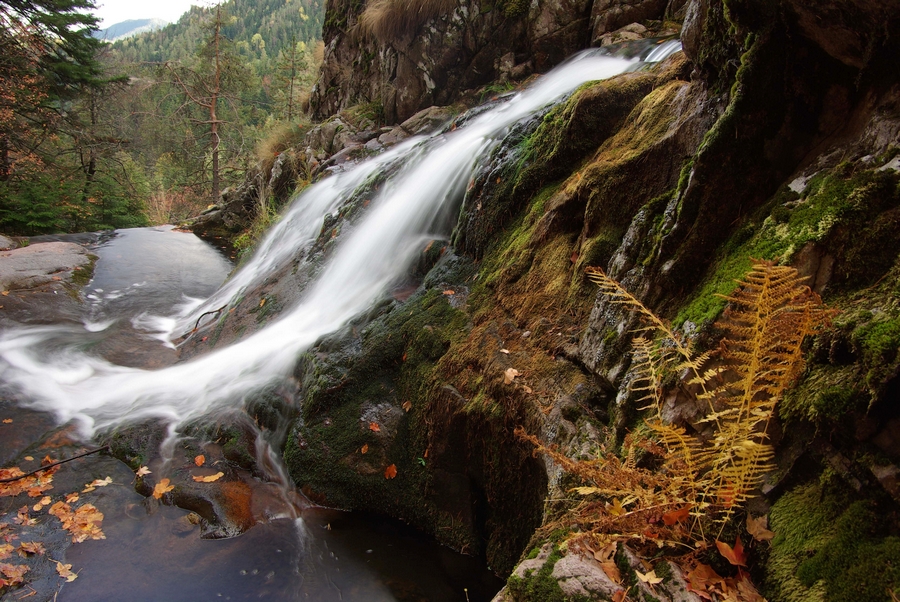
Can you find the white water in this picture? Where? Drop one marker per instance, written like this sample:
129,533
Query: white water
51,373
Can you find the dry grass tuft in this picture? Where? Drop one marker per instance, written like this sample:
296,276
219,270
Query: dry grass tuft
388,20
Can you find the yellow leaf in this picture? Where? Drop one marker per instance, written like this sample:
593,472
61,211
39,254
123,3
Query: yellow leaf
586,490
162,488
210,478
648,578
616,508
65,571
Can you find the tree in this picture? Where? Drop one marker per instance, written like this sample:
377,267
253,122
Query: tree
292,66
212,84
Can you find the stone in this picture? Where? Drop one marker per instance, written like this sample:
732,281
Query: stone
579,575
427,120
37,264
6,243
692,29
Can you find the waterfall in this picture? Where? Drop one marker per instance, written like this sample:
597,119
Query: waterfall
49,370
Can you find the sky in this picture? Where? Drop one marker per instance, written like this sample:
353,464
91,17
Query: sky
111,12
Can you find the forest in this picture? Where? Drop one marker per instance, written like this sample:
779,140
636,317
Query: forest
149,129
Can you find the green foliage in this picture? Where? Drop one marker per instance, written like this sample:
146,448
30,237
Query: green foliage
539,585
830,546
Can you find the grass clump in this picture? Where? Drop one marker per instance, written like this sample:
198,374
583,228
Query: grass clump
389,20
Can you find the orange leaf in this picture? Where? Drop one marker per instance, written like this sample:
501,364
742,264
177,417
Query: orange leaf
619,596
390,472
162,488
612,571
733,555
210,478
200,460
364,449
449,292
406,406
7,421
373,426
676,516
27,548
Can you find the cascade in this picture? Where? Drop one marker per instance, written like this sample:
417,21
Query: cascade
48,369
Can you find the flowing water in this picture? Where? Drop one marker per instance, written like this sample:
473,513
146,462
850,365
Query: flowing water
53,368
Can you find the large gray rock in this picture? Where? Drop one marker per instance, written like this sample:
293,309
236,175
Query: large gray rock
39,264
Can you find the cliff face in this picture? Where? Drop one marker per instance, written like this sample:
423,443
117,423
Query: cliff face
466,45
775,135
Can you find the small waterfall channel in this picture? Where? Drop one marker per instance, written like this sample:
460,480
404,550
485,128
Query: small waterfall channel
48,368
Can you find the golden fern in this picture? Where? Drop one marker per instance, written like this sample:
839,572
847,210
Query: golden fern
768,317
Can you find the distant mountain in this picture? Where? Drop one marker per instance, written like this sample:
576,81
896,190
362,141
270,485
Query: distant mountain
131,27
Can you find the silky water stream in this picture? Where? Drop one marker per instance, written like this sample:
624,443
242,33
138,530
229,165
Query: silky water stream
82,378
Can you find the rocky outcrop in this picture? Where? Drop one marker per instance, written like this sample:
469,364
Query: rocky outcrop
464,45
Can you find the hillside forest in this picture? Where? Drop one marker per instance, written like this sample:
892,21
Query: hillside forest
149,129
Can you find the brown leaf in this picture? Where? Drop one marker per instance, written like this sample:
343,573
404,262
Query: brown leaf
619,596
390,472
14,573
6,551
676,516
364,449
406,406
733,555
27,548
65,571
200,460
510,375
373,426
701,578
606,554
759,528
162,488
612,571
210,478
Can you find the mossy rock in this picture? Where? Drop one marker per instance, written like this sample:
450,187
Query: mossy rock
832,545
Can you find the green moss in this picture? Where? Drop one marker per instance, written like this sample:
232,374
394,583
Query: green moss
538,586
82,275
879,339
830,546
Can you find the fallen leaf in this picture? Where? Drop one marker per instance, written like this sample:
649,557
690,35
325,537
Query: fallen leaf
510,375
100,482
373,426
83,523
29,458
606,554
23,519
406,406
649,578
47,460
733,555
449,292
676,516
619,596
364,449
4,293
6,551
14,573
71,498
7,421
262,302
390,472
506,351
527,389
612,571
586,490
142,471
759,528
616,508
28,548
210,478
65,571
700,578
162,488
200,460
